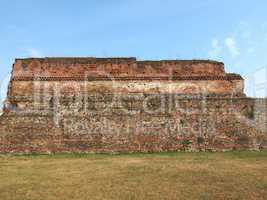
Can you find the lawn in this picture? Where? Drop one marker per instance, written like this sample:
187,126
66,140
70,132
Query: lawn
231,175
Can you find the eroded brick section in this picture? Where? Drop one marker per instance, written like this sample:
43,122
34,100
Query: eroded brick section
123,67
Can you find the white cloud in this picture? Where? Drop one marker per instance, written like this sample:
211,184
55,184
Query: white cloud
32,52
251,50
257,83
216,49
3,89
230,43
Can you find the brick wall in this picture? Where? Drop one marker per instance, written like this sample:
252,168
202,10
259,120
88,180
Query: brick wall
70,105
138,123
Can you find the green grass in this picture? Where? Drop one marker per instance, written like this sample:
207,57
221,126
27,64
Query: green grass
231,175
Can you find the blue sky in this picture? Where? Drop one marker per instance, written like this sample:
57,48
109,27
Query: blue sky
232,31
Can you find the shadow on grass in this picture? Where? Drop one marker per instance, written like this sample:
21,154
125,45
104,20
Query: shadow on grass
178,155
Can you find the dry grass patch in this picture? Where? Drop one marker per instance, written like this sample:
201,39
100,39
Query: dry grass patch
233,175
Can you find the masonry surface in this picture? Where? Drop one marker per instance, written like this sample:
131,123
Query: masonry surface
125,105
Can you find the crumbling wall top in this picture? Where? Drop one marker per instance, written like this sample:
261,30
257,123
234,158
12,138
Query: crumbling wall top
122,67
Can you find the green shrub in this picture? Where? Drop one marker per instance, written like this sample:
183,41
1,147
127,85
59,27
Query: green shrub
200,140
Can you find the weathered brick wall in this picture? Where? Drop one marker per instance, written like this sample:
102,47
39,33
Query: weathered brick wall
79,67
217,87
124,105
138,123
